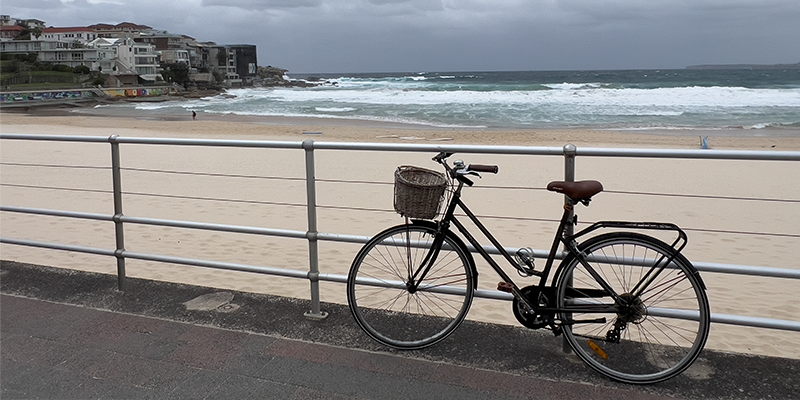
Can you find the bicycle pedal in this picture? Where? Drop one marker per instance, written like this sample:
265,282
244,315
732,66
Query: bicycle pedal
557,330
505,287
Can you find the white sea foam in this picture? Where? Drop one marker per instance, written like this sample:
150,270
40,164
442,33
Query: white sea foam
688,96
335,109
455,100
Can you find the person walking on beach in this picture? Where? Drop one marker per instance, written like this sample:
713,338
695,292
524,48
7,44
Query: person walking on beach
194,116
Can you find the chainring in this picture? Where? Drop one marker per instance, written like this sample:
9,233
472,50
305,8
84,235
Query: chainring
528,319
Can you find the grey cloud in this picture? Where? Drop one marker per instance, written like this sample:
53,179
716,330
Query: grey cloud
415,35
33,4
263,4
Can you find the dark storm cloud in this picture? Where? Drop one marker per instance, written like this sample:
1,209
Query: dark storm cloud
417,35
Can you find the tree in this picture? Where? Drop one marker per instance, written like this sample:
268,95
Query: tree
62,68
28,33
168,75
177,72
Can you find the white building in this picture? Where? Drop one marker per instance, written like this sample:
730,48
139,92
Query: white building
130,57
173,56
82,35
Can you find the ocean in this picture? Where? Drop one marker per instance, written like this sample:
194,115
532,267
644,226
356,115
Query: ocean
687,99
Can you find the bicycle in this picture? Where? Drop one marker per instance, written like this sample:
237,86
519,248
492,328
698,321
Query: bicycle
630,305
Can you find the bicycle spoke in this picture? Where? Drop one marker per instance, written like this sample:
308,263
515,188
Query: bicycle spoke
401,314
632,345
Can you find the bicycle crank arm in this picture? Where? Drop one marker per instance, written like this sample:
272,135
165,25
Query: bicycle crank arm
585,321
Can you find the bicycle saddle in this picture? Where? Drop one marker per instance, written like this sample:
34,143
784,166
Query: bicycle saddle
576,190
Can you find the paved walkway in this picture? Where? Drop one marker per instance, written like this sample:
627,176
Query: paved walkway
67,334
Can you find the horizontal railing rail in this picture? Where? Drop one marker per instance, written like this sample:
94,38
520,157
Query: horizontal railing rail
769,272
313,236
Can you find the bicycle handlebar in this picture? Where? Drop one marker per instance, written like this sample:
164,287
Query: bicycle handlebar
483,168
458,170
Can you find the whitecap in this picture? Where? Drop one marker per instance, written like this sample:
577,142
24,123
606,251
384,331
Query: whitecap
335,109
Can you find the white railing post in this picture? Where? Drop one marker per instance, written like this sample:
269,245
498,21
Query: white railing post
313,245
116,178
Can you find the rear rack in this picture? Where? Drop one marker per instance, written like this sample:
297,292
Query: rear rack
678,244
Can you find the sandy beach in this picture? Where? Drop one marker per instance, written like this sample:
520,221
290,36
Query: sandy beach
264,188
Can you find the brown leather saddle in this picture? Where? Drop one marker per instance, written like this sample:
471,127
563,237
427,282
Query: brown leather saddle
576,190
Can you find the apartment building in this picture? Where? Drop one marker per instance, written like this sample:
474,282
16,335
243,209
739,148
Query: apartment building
243,62
119,31
80,35
130,57
129,48
172,48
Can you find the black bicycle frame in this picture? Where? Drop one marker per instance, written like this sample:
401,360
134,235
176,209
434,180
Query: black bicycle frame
569,243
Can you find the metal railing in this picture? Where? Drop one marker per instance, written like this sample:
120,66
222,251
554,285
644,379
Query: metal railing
313,275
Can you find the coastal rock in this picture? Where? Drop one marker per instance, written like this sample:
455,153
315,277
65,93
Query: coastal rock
197,94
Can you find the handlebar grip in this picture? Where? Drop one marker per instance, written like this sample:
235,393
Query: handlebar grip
483,168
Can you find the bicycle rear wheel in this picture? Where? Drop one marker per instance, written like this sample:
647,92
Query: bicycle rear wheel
380,298
650,333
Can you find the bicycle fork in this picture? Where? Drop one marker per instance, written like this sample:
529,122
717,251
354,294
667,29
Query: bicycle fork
416,277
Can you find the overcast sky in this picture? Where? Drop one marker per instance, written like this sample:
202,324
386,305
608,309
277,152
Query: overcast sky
306,36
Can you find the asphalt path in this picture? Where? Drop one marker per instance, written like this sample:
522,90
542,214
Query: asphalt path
70,334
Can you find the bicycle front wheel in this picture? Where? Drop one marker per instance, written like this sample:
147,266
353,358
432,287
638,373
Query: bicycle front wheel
405,316
658,323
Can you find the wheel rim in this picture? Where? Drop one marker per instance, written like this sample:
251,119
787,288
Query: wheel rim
380,298
642,340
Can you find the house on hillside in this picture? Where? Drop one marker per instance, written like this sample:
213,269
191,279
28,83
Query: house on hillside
10,32
130,49
120,31
171,47
24,46
6,20
79,35
93,58
130,57
32,23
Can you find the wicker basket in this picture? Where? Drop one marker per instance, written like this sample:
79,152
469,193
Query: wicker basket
418,192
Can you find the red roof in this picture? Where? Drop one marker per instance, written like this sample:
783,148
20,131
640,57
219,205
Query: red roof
69,29
120,26
10,28
101,26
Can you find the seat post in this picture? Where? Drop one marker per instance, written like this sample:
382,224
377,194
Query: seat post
570,151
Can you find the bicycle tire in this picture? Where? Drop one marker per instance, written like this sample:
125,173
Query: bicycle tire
642,340
385,308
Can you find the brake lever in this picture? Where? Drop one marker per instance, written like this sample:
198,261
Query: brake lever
466,180
463,172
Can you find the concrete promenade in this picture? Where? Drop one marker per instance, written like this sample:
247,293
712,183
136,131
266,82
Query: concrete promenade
69,334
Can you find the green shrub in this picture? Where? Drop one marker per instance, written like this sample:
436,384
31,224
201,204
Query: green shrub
81,69
62,68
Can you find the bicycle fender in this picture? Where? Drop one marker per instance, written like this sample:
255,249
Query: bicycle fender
666,247
458,242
